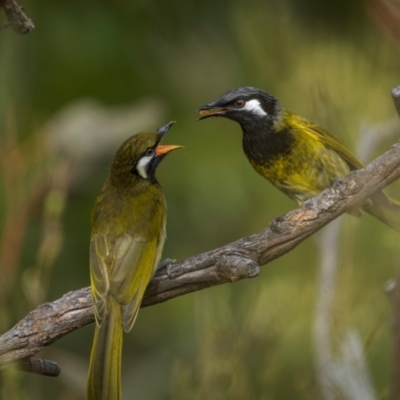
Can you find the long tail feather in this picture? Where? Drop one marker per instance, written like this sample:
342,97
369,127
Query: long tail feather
385,209
104,377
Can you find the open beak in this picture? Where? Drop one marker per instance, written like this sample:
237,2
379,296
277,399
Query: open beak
163,130
162,150
209,110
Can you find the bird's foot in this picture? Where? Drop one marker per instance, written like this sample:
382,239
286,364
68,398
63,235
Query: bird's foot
167,263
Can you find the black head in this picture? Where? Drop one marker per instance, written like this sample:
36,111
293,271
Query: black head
245,105
261,117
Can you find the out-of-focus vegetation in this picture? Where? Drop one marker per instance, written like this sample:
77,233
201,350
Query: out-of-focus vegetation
94,72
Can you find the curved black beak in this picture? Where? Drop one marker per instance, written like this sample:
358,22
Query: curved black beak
162,131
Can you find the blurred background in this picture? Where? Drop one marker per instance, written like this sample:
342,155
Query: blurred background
91,74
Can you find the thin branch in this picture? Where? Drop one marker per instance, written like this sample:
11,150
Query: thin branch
235,261
396,98
39,366
16,17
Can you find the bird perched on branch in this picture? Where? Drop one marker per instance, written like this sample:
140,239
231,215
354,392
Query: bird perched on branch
296,156
128,234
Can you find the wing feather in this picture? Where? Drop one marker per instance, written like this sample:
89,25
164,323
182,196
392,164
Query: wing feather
123,267
99,274
331,142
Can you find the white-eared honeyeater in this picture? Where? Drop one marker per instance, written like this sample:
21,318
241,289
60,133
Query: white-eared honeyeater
296,156
128,234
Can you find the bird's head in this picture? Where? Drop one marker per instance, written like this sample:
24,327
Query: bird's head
246,105
140,155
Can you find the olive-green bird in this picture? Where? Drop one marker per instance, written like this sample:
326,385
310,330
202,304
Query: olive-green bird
128,234
296,156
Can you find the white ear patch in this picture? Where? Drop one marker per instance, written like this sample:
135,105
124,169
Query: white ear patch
141,166
254,107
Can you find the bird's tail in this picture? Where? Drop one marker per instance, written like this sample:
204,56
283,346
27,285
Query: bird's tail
385,209
104,377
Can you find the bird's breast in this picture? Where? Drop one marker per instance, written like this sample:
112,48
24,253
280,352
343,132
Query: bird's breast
300,168
119,211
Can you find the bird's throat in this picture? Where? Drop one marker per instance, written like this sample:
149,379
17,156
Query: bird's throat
264,145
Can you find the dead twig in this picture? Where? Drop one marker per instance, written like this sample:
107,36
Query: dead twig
39,366
17,19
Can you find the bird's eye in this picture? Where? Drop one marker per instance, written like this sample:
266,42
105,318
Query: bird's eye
239,103
149,152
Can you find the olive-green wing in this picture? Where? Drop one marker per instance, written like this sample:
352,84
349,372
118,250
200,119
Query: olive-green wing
122,267
380,199
99,264
329,141
132,270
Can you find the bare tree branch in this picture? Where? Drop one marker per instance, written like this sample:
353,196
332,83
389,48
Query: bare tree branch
39,366
16,17
235,261
396,98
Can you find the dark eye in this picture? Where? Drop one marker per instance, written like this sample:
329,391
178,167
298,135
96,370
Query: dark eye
149,152
239,103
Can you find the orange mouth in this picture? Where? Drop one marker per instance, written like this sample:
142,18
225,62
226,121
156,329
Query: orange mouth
162,150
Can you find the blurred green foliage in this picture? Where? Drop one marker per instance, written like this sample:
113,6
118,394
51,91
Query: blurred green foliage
249,340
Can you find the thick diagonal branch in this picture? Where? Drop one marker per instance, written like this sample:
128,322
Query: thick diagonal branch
237,260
